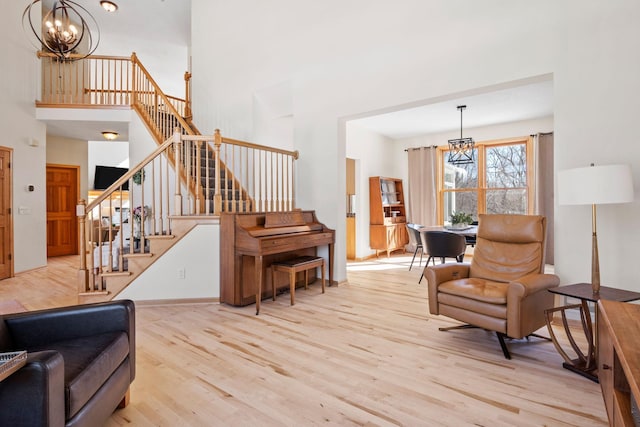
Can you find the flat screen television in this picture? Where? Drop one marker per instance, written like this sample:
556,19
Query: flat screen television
107,175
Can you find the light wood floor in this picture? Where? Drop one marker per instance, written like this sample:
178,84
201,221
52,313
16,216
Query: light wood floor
364,353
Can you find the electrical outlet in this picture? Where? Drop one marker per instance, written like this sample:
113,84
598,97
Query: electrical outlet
181,273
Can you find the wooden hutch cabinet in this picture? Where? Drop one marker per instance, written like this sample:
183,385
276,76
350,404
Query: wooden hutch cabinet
387,216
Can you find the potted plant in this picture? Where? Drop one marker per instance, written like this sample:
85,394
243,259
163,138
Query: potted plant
460,219
138,177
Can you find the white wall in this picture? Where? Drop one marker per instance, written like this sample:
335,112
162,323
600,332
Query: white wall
69,151
19,83
273,116
347,58
198,255
141,143
596,114
375,156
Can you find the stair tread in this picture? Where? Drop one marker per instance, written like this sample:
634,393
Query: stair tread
114,273
160,237
93,293
138,255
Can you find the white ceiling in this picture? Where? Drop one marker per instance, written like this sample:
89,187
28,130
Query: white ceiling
522,102
159,21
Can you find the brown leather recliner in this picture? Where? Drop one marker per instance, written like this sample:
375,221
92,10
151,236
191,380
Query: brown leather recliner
504,288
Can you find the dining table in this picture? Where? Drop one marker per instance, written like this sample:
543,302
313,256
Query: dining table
468,231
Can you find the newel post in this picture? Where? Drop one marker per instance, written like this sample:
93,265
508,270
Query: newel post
217,197
177,150
187,96
83,273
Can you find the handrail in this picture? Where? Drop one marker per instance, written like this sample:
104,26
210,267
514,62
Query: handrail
73,56
176,98
240,143
162,95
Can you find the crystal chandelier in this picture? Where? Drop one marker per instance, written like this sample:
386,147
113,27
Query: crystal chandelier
68,30
462,150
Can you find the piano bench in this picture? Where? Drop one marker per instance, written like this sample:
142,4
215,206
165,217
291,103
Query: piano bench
293,266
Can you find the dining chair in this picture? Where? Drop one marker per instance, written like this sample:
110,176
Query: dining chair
442,244
415,241
471,240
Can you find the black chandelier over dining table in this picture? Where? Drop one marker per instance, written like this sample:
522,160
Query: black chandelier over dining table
461,150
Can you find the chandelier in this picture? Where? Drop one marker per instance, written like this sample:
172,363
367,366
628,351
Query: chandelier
68,30
462,150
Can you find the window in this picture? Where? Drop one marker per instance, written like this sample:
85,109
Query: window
500,181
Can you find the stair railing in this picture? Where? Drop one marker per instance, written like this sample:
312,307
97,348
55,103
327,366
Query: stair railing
94,81
140,205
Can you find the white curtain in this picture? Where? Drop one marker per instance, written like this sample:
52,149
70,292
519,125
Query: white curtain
422,185
543,143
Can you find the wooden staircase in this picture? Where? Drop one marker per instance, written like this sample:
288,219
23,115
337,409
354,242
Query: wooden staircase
189,179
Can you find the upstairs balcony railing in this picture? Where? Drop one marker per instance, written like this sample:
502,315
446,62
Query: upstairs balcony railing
99,81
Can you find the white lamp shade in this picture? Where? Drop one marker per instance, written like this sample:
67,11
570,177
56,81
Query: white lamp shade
595,185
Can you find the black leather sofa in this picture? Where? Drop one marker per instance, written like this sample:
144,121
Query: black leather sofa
81,361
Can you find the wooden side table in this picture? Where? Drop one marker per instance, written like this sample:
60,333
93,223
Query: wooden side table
586,363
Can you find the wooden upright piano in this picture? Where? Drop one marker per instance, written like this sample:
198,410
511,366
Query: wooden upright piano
251,242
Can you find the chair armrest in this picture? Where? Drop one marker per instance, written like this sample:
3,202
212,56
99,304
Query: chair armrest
39,328
527,299
441,273
531,284
34,394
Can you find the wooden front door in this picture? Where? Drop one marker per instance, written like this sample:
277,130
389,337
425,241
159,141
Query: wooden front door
6,215
62,197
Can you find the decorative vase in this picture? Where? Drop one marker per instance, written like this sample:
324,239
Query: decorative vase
460,225
136,228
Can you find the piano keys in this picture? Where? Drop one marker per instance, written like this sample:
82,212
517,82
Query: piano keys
251,242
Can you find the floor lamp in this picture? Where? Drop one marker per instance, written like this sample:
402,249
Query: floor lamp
595,185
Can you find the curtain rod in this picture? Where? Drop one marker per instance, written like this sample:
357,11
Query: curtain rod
420,148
